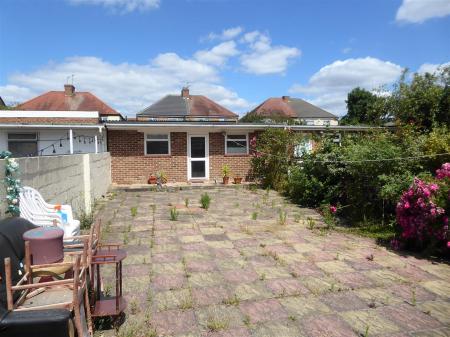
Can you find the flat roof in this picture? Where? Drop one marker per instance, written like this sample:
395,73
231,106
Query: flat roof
123,125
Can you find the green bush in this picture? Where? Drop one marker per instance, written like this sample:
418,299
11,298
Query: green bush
205,200
363,174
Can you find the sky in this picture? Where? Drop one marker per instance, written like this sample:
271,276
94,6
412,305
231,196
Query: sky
130,53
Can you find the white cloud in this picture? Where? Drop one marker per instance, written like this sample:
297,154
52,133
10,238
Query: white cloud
329,87
346,50
226,34
217,55
418,11
127,87
431,68
263,58
124,6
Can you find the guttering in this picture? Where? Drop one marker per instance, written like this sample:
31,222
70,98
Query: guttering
134,125
51,126
48,114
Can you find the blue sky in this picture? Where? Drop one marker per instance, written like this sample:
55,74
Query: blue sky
238,52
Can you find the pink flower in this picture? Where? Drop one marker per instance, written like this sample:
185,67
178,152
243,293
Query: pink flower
406,205
333,209
434,187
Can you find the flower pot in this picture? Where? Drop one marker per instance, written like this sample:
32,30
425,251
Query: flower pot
226,180
237,180
152,180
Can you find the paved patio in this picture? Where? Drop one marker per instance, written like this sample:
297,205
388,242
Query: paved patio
238,270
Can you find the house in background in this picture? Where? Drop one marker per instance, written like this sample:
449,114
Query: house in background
190,138
295,109
55,123
186,107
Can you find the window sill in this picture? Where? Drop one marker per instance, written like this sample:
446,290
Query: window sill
237,155
158,155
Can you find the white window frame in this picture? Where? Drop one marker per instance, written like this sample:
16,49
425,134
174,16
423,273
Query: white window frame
23,140
157,140
246,142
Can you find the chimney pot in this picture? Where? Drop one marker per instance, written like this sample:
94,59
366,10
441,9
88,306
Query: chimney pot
69,89
285,98
185,92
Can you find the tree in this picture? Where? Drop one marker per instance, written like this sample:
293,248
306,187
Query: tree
363,107
423,101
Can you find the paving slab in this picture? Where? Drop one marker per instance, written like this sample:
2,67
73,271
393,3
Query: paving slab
219,273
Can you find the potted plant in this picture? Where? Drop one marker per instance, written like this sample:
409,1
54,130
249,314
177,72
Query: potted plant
152,179
162,176
237,179
226,174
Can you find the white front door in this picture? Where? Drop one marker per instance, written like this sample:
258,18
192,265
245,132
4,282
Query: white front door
198,157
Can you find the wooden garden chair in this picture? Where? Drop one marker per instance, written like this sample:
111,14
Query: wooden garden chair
93,242
69,293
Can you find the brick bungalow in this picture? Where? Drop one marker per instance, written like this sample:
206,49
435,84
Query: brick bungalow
190,138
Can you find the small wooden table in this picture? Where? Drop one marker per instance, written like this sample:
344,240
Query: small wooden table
112,305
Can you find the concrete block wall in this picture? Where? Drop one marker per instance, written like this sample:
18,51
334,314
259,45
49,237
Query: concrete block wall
72,179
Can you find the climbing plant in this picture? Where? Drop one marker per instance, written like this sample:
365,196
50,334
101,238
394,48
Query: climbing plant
12,183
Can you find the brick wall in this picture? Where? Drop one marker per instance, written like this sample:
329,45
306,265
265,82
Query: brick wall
239,164
130,165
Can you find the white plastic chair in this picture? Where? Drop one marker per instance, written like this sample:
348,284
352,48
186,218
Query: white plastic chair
34,208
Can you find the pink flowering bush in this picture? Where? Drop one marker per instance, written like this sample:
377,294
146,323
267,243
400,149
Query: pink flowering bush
422,212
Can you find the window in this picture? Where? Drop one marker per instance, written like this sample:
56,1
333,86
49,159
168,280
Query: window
236,144
22,144
157,144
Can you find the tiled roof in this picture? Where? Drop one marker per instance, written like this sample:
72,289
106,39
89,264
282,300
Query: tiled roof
59,101
178,106
290,108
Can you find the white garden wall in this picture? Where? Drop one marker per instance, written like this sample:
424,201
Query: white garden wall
72,179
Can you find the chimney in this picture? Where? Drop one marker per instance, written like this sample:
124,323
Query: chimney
185,92
285,98
69,89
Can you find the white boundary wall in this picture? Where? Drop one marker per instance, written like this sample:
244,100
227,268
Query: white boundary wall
77,180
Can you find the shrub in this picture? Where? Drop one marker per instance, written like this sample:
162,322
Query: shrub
205,200
133,211
86,219
174,214
273,155
422,212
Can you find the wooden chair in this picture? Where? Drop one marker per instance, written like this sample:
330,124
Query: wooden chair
70,293
93,241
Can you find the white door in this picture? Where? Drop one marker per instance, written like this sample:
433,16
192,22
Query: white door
198,157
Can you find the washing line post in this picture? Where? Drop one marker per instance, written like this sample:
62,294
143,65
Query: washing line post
71,141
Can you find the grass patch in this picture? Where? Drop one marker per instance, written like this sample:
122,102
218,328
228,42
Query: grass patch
233,300
383,234
174,214
133,211
86,219
205,200
216,323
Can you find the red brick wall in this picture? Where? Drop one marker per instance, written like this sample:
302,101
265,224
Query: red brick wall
239,164
129,164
